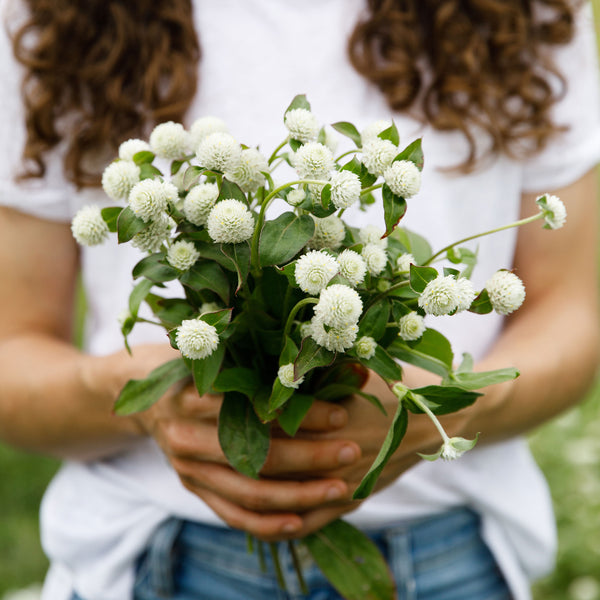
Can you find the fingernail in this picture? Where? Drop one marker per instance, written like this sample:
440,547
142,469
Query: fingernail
333,493
347,455
337,418
290,528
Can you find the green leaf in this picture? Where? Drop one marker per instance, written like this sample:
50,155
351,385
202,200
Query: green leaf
446,399
110,214
481,305
207,276
394,208
391,134
219,319
279,395
354,166
175,166
475,381
384,365
351,562
191,176
348,130
374,320
238,379
390,445
366,179
171,311
414,243
311,355
431,352
230,190
289,352
239,255
155,269
243,438
420,277
299,101
139,292
205,370
149,171
143,157
414,153
293,413
141,394
129,225
282,238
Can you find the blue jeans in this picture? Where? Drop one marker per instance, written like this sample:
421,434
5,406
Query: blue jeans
437,558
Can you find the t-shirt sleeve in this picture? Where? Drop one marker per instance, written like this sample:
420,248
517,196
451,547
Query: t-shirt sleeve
572,153
51,196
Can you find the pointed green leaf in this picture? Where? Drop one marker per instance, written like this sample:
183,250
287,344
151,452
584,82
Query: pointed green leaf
348,130
475,381
143,157
149,171
289,352
420,277
414,243
446,399
373,322
191,176
311,355
139,292
239,254
293,413
354,166
155,268
394,208
391,134
238,379
299,101
171,311
414,153
219,319
481,305
176,166
205,370
279,395
207,276
230,190
384,365
282,238
129,225
110,214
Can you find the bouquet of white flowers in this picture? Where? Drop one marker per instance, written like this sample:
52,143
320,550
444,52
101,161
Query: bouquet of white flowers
274,313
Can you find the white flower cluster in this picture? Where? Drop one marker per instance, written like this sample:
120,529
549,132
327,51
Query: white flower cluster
375,258
444,295
314,270
295,197
230,222
329,233
149,198
365,347
170,140
203,127
411,326
88,226
152,238
219,152
129,148
249,172
553,209
378,154
403,178
199,201
302,124
371,234
196,339
345,189
313,161
352,267
286,376
404,261
118,179
506,292
371,131
182,255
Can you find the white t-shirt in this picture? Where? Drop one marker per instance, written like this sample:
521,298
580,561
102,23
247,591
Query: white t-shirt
258,54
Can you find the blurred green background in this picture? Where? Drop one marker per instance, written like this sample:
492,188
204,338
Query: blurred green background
567,449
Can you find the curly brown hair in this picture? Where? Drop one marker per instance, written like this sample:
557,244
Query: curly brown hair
114,67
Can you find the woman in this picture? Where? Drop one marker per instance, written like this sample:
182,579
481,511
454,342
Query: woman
477,80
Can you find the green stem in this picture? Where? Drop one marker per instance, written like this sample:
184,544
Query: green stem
298,568
274,155
353,151
294,312
261,557
531,219
249,543
277,565
142,320
377,298
416,398
367,190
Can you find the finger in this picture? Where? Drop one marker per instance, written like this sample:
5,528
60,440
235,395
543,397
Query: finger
316,519
261,495
191,404
190,439
289,456
324,416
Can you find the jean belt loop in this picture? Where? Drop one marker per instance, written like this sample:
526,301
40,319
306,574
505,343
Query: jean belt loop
161,555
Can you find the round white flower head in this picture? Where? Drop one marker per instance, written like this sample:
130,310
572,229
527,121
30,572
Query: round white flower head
196,339
372,130
88,226
152,238
170,140
219,152
339,306
352,266
123,317
118,179
230,222
404,261
314,270
149,198
365,347
403,177
313,161
377,155
506,292
411,326
249,173
182,255
553,209
332,338
345,189
207,307
465,293
455,447
295,197
203,127
329,233
129,148
286,376
200,200
439,296
371,234
302,124
375,258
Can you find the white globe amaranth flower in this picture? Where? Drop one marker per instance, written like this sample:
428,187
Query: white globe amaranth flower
377,155
118,179
403,178
196,339
440,296
249,173
465,293
372,130
88,226
329,233
365,347
345,189
455,447
332,338
203,127
314,270
286,376
404,261
411,326
506,292
152,238
371,234
199,201
230,222
129,148
182,255
295,197
123,317
375,258
553,209
352,266
219,152
170,140
313,161
339,306
150,198
302,124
